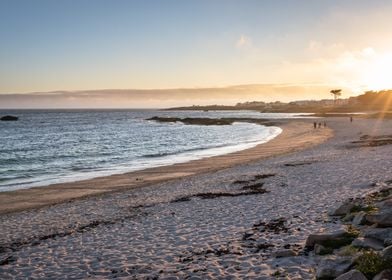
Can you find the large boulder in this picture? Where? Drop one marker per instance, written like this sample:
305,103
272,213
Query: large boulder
352,275
329,239
382,218
9,118
333,267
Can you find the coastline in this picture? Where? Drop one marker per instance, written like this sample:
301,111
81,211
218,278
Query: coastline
250,220
296,136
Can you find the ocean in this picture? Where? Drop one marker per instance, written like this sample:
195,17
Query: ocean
53,146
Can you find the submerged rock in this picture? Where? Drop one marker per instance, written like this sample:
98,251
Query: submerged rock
352,275
9,118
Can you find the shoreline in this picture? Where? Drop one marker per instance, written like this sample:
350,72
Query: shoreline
251,220
296,135
154,162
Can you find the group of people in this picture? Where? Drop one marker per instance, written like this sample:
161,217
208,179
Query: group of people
315,124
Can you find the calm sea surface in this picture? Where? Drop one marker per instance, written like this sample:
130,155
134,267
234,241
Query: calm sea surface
46,147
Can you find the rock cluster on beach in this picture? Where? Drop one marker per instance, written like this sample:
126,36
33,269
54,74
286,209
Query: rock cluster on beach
211,121
364,249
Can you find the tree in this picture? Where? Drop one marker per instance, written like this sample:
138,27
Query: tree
336,93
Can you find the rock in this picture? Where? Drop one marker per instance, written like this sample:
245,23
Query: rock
326,239
9,118
387,253
387,242
382,218
359,219
384,204
369,243
348,218
284,254
381,234
321,250
384,275
352,275
342,209
364,185
333,267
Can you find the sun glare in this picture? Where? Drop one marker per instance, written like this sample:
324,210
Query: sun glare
378,75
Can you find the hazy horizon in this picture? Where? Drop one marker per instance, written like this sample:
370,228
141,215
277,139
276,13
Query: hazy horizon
162,98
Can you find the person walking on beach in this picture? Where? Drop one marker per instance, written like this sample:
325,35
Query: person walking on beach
314,124
319,124
351,119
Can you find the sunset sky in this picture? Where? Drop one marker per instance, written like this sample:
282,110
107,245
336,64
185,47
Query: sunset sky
168,45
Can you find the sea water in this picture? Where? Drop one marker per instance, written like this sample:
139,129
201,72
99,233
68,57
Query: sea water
53,146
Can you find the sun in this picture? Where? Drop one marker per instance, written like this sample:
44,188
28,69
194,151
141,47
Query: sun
378,75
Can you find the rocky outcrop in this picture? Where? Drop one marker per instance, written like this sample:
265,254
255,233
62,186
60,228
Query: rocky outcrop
211,121
369,226
9,118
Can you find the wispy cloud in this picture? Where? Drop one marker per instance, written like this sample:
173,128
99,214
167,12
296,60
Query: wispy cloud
244,42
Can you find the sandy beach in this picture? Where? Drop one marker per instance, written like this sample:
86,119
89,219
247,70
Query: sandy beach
198,220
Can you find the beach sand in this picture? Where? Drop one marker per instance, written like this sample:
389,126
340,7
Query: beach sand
222,223
295,136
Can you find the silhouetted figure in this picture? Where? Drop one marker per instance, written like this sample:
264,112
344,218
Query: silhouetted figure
315,125
319,124
325,124
351,119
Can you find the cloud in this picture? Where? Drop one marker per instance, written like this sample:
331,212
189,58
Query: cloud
244,42
318,48
359,70
159,98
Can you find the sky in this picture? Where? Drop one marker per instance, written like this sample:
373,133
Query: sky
78,46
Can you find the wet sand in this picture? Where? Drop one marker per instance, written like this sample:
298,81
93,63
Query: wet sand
296,136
